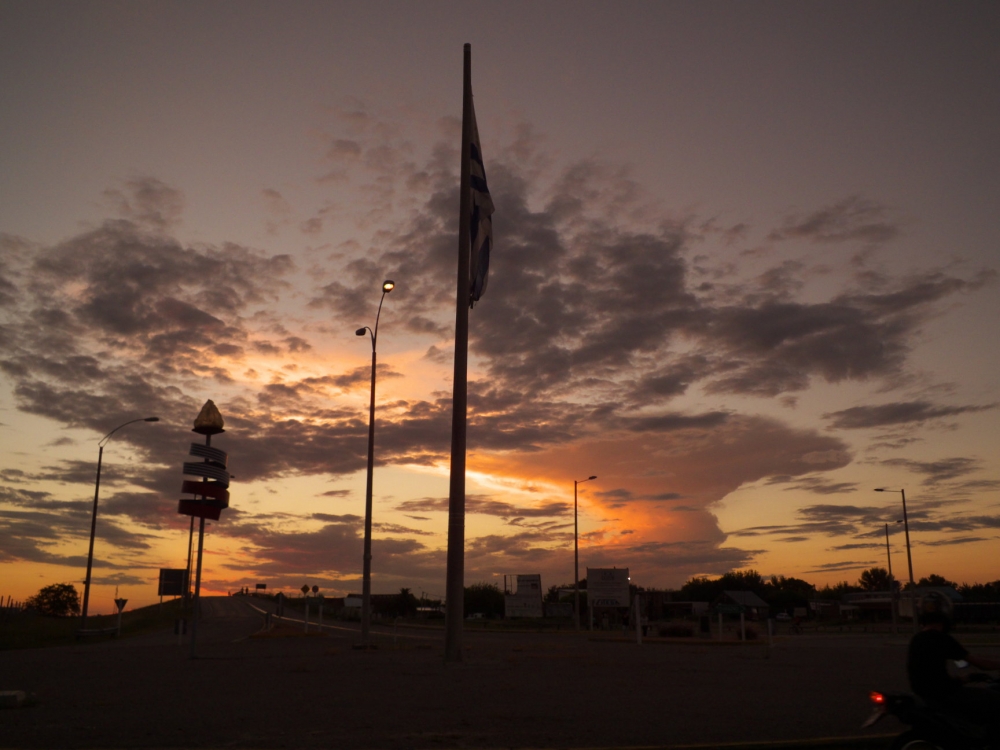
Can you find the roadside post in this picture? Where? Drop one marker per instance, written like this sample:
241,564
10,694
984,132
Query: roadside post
211,494
120,603
638,620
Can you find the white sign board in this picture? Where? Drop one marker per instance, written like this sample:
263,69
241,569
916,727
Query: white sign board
607,587
527,600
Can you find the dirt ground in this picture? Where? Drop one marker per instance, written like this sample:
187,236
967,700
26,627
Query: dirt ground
513,690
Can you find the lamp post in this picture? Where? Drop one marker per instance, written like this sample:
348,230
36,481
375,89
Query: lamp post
909,557
892,588
576,554
366,581
93,519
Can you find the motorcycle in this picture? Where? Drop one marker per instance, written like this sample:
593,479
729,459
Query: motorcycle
930,728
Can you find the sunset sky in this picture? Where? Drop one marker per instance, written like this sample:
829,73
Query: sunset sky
744,271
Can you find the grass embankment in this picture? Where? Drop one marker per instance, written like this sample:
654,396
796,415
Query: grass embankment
31,630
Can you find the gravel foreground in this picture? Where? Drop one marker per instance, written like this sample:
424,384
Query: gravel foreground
513,690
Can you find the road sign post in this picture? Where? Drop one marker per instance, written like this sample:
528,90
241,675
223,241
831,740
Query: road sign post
211,493
120,603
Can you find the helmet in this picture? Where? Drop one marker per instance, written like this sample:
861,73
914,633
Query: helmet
935,609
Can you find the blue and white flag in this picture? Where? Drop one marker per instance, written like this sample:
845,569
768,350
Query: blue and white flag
480,224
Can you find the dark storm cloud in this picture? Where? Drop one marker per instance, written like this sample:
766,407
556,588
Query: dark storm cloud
333,551
41,531
900,412
580,302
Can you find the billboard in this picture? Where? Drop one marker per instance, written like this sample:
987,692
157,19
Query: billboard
607,587
173,582
526,601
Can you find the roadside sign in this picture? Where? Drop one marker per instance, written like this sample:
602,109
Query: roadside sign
120,603
260,586
527,601
315,589
305,589
607,587
173,582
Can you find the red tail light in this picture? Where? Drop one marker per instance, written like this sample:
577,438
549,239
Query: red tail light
877,698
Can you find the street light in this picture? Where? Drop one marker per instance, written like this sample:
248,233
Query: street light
366,581
909,557
576,554
93,519
892,588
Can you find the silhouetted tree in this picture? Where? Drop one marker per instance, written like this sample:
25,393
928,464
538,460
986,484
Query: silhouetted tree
875,579
552,595
407,603
700,589
486,598
742,580
837,591
59,599
935,580
783,593
705,589
980,592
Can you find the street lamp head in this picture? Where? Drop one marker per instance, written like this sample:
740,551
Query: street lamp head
360,331
589,478
388,285
880,489
151,419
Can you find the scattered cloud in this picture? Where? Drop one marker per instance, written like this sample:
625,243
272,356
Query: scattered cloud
853,219
900,412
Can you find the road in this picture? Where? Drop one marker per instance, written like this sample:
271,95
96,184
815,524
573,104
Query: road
559,690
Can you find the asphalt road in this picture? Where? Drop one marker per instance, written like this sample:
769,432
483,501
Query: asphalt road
561,690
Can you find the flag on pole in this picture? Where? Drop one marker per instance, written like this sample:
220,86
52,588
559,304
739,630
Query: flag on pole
480,223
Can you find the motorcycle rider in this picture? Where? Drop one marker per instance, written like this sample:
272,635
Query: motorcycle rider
927,667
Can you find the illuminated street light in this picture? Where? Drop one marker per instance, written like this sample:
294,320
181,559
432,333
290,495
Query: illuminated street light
93,519
366,582
576,554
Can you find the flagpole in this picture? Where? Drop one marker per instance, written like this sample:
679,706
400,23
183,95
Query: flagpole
455,585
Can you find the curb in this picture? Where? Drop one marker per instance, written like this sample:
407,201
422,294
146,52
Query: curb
862,742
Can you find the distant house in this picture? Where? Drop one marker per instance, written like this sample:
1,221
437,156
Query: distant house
734,602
